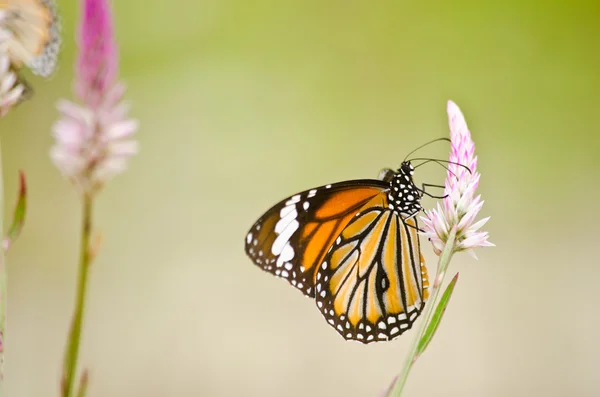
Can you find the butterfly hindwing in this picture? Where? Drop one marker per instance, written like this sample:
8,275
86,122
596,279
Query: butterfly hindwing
34,39
372,284
291,239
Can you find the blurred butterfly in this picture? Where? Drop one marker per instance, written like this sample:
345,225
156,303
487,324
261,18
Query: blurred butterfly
31,35
354,247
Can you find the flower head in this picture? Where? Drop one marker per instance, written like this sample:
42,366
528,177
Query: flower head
94,140
460,206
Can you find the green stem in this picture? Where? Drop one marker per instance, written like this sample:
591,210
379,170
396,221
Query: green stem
73,343
3,284
442,266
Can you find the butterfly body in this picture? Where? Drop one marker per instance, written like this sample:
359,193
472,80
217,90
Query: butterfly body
353,247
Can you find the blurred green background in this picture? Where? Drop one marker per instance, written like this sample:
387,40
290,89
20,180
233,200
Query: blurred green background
242,103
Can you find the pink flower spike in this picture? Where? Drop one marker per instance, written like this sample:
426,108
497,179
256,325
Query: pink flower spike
94,140
461,206
97,63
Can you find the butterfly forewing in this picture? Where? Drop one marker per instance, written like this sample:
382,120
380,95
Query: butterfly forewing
372,284
291,239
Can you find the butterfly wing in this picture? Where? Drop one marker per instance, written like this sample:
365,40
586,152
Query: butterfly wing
34,34
372,284
291,239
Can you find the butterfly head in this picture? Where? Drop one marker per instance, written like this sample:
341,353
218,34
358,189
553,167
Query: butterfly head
404,196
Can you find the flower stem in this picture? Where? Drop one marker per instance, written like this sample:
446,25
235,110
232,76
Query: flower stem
3,284
412,356
73,343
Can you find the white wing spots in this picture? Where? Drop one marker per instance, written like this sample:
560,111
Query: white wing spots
305,205
391,320
328,186
248,238
286,210
312,193
288,266
302,269
286,220
284,237
287,254
293,200
324,265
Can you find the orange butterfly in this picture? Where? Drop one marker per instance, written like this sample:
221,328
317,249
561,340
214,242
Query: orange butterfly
354,247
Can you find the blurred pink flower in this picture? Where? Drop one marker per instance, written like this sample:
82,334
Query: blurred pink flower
94,140
97,61
460,206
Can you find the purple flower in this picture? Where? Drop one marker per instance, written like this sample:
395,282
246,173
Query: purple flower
94,139
460,206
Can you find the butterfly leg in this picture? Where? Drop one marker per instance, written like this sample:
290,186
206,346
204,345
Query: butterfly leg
424,185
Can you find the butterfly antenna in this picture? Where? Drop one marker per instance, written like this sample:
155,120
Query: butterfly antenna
440,161
425,144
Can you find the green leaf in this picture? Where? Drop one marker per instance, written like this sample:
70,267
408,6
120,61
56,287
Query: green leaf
18,214
437,317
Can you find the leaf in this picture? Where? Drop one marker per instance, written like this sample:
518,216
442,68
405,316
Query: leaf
83,384
18,214
436,318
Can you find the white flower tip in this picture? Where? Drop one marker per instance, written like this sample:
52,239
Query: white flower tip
472,254
451,105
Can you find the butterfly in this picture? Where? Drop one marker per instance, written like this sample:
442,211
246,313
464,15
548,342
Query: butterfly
354,248
30,32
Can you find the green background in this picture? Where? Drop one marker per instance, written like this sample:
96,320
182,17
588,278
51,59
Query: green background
244,102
